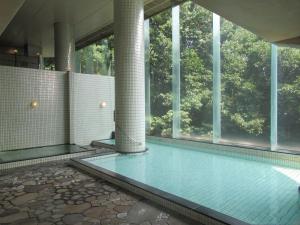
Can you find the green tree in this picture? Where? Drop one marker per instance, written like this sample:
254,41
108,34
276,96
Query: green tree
245,82
245,68
160,73
98,58
289,95
196,70
245,76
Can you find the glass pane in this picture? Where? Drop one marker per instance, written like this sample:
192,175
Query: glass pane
245,67
97,58
49,64
196,71
289,98
161,74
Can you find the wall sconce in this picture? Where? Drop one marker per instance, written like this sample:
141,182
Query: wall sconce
103,104
34,104
12,51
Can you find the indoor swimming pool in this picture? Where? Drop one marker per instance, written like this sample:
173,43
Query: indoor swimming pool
249,190
39,152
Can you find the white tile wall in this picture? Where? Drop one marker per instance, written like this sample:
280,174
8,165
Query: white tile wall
88,120
56,92
24,127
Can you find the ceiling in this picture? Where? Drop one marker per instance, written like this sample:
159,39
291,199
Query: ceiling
275,20
31,21
33,24
8,10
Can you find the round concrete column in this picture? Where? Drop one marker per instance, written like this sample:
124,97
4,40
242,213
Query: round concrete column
129,75
64,47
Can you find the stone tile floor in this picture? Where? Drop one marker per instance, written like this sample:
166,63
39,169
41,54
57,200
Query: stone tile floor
55,193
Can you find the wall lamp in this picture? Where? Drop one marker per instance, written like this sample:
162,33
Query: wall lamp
34,104
103,104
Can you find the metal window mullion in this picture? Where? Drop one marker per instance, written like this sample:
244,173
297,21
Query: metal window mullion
274,64
176,71
216,79
147,75
78,61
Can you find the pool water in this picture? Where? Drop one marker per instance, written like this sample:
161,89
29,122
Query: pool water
38,152
248,190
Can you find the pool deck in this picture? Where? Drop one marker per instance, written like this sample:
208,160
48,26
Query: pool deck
55,193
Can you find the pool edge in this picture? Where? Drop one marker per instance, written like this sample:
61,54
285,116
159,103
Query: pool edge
180,205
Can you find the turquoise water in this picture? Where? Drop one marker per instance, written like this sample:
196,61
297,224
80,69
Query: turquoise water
251,191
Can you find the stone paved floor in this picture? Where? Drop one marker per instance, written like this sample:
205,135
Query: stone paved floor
55,193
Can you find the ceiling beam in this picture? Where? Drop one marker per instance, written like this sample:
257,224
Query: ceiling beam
8,10
273,20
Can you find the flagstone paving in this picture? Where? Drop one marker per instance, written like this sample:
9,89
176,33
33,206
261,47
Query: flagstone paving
55,193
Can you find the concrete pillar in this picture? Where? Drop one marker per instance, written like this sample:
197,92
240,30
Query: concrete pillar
64,47
129,75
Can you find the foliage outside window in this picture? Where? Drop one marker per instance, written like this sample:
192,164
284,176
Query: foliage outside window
245,80
196,71
245,68
97,58
49,63
161,74
288,97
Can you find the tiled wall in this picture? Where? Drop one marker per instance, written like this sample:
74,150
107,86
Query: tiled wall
22,126
90,121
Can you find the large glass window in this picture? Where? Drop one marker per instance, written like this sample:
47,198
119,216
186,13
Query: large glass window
97,58
245,67
206,74
196,71
161,74
289,97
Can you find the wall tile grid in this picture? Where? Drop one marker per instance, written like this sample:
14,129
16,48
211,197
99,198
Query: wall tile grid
22,126
90,121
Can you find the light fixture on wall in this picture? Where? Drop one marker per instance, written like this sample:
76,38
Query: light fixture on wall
12,51
103,104
34,104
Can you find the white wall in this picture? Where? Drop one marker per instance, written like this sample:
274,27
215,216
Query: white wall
88,120
68,112
24,127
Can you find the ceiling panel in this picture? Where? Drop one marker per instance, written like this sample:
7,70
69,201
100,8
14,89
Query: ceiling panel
8,10
274,20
